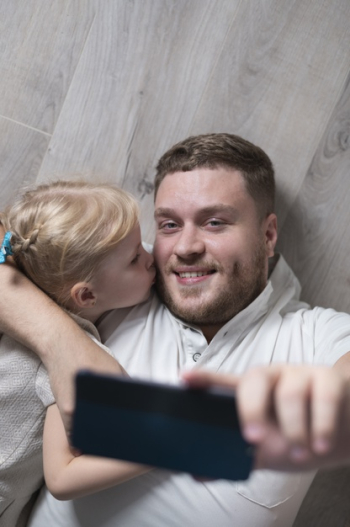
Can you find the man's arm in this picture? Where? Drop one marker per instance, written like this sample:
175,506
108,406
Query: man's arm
33,319
297,416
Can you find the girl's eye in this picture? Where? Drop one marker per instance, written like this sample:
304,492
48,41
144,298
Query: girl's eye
135,260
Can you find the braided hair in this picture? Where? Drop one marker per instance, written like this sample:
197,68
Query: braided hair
61,231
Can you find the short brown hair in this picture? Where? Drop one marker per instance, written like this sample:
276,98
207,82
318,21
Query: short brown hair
223,150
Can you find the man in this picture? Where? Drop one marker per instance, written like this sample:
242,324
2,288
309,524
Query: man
216,234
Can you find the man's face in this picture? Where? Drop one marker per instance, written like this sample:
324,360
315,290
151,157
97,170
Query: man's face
211,248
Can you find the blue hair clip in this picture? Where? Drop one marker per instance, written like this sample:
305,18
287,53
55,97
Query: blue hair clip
6,250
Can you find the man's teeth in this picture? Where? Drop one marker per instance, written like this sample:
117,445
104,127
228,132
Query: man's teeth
192,275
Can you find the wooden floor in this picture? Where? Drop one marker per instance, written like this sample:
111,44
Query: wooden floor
103,88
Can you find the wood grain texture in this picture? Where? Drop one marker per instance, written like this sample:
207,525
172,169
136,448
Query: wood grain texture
316,236
21,153
40,46
277,80
136,89
117,82
327,503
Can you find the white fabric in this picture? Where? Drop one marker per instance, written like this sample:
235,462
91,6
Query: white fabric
25,394
150,343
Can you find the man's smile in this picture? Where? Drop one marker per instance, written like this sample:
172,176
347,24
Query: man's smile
193,274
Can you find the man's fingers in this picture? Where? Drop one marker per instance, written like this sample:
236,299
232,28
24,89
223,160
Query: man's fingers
298,409
254,395
308,403
292,400
207,379
328,392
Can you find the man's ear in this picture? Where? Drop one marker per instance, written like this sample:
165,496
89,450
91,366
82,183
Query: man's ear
83,295
270,230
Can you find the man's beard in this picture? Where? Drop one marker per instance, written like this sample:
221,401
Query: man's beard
244,284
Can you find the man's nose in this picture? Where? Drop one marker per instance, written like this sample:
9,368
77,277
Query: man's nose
189,242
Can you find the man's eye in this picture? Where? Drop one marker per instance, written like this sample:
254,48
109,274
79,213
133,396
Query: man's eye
215,223
167,226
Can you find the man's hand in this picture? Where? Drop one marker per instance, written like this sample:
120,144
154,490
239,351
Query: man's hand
297,416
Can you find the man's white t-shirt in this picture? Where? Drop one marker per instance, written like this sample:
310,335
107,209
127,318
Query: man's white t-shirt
150,343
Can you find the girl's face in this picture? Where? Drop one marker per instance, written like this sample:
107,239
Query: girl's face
124,278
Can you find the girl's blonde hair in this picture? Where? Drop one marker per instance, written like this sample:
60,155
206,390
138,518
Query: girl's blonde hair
62,231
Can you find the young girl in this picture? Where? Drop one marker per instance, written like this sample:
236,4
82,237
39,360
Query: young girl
81,244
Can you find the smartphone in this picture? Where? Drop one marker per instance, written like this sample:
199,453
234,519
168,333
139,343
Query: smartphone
172,427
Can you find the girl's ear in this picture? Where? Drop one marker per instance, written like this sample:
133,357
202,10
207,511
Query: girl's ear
83,295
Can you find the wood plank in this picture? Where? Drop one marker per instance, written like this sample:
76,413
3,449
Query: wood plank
316,236
136,89
40,46
21,153
278,78
327,502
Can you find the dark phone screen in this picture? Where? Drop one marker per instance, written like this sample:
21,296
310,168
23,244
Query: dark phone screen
172,427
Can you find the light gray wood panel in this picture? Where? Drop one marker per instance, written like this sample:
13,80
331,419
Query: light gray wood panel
40,45
327,503
136,89
21,153
277,81
316,235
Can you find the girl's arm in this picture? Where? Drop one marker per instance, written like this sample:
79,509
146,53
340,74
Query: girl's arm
32,318
68,477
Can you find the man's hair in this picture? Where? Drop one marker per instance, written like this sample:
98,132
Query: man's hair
228,151
63,230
